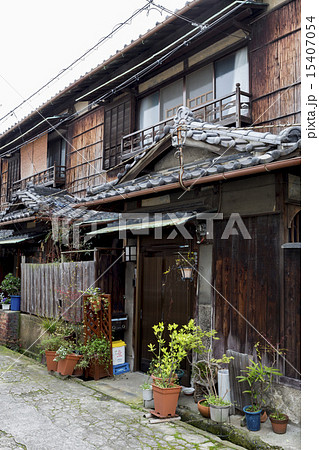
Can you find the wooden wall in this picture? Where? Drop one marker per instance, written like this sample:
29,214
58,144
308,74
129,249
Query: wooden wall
54,289
34,157
247,276
274,53
4,181
85,153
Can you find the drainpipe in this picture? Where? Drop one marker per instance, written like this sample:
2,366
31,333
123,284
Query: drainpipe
204,180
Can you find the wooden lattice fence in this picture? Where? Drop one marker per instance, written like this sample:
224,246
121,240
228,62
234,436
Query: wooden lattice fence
98,323
53,290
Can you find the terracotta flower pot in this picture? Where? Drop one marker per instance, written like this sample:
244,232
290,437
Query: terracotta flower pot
51,364
165,400
204,410
263,417
97,371
279,426
66,365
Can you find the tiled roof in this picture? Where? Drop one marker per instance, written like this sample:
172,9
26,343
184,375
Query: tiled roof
248,148
41,201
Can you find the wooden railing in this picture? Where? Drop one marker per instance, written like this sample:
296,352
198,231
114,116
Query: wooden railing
233,108
52,176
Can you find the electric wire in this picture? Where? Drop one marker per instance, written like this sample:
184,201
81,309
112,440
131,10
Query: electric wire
116,28
143,72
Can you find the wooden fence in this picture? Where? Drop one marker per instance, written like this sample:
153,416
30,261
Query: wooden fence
53,290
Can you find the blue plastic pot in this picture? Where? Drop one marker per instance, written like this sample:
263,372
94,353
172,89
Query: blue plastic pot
252,419
15,302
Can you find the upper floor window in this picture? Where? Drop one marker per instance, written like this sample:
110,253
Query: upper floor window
214,81
56,153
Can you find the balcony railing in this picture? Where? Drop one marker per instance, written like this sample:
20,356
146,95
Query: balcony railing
233,108
53,176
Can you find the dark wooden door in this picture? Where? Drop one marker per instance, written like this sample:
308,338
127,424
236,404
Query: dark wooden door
164,298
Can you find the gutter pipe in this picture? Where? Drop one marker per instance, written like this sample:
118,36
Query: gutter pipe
203,180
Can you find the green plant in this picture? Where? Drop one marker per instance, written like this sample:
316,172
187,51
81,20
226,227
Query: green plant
217,401
146,385
52,343
187,260
95,297
11,284
278,415
259,378
65,349
205,372
96,348
168,357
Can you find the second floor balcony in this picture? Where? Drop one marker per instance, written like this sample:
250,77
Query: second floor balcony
233,109
53,176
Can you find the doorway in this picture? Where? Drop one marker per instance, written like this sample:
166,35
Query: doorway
165,297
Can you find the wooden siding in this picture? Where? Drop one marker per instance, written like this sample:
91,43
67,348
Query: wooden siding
275,65
85,152
4,183
247,279
34,157
50,289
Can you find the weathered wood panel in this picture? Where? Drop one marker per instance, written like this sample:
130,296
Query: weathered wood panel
111,272
53,290
85,153
275,50
247,280
239,362
292,311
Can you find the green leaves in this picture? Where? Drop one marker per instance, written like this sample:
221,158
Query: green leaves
167,357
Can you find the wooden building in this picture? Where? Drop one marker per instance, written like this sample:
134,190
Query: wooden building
201,115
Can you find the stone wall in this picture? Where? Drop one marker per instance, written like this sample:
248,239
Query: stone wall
30,332
9,328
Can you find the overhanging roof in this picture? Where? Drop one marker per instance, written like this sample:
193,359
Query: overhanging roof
139,224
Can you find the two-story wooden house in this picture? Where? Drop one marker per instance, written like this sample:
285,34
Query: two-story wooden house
199,116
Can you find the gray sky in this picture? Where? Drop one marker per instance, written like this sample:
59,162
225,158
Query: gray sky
39,39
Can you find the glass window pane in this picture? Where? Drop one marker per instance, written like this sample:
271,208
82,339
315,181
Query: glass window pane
171,99
149,111
231,70
199,86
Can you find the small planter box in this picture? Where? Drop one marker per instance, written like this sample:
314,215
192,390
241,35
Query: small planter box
97,371
66,365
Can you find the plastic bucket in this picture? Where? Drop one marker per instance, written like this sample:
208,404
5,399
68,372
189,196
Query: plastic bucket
15,302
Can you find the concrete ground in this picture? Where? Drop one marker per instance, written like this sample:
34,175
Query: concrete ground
41,411
126,387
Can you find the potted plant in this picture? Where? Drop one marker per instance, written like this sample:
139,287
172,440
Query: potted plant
50,345
259,379
96,357
279,422
203,407
167,359
67,358
11,285
5,301
94,297
147,391
185,264
205,372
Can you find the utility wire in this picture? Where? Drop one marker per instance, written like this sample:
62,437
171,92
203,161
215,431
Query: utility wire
80,58
203,28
